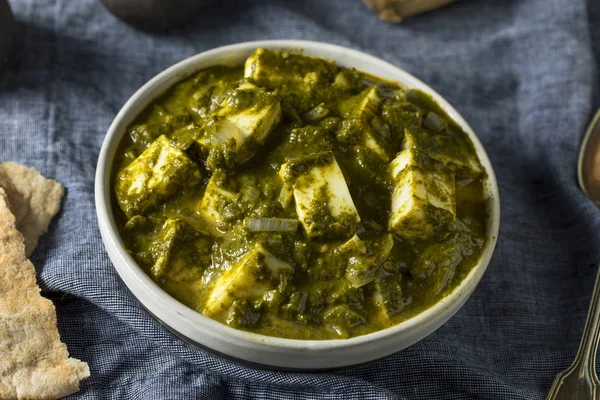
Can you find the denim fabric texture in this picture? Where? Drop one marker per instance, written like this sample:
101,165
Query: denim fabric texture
523,73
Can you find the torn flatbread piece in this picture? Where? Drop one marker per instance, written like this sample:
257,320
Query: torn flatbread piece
34,363
20,207
33,200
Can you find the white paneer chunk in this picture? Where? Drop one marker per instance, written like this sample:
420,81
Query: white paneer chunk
253,122
371,143
455,152
217,196
303,81
242,122
365,103
358,127
368,107
261,68
406,158
365,258
257,272
157,174
423,199
274,69
354,245
323,202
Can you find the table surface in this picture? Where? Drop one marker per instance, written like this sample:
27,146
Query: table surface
522,72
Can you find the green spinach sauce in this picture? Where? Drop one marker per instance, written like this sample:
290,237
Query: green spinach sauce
294,198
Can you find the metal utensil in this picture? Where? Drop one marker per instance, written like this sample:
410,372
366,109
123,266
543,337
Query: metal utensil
579,381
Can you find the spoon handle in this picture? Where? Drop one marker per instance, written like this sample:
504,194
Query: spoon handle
588,348
580,381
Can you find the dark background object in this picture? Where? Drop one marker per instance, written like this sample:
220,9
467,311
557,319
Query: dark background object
397,10
154,15
7,33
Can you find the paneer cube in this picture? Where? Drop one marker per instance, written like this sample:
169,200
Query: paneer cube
454,151
361,125
274,69
257,272
364,104
157,174
323,202
423,199
363,267
239,125
180,252
218,197
302,81
354,245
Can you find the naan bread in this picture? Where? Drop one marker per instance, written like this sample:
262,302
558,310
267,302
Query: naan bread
33,200
34,363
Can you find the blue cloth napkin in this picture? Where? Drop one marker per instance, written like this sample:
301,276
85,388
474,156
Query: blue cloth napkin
522,72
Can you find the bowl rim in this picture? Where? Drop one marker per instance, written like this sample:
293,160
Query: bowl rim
188,66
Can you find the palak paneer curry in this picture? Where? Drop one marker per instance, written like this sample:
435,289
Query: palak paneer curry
295,198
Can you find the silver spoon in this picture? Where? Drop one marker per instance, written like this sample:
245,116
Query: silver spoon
579,381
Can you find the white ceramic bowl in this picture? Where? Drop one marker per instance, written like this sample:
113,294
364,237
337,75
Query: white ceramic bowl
249,347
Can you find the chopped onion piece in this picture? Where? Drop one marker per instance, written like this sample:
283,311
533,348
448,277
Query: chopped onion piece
434,122
286,194
272,225
342,81
413,96
317,113
252,194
